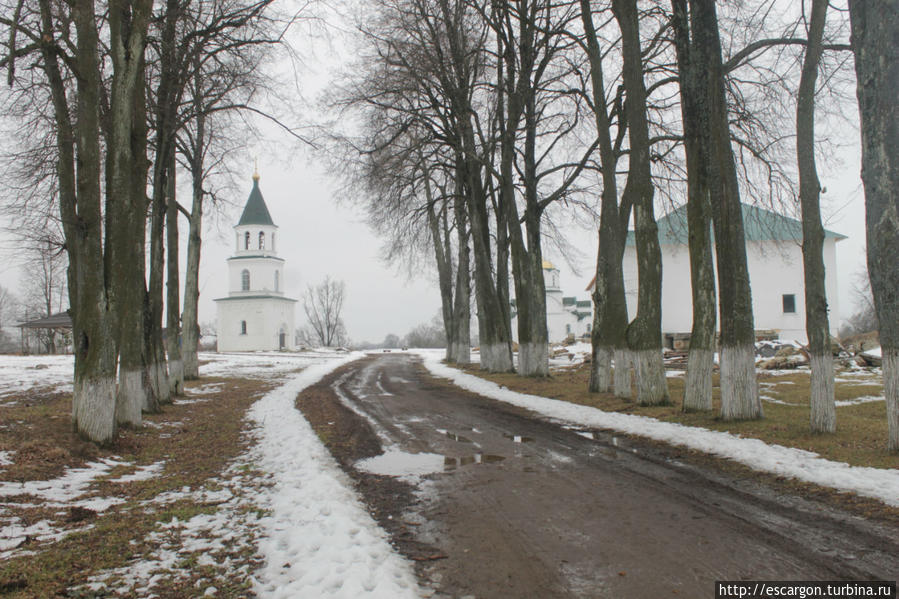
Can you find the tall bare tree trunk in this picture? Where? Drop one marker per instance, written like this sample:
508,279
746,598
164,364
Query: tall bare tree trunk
173,291
126,209
93,398
875,42
442,255
823,413
739,387
694,110
461,351
644,334
608,334
189,317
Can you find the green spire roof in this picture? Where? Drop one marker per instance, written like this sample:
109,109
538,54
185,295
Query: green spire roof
255,212
758,224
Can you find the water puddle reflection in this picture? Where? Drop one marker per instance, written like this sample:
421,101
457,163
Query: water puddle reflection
478,458
518,438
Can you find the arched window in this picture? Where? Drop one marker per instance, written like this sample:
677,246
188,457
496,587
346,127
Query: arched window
245,280
261,240
276,281
246,240
274,249
243,327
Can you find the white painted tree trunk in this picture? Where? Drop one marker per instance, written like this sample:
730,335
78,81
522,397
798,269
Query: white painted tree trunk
602,370
739,387
462,352
161,383
622,373
131,398
891,393
176,377
93,409
652,385
823,412
496,358
698,386
533,359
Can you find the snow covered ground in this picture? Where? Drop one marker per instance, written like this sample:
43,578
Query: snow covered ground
807,466
314,536
21,373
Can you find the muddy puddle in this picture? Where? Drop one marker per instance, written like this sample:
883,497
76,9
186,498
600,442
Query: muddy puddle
403,464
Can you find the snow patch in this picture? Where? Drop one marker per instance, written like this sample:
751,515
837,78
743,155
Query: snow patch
399,463
881,484
320,540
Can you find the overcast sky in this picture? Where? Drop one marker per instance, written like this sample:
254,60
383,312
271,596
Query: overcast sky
322,234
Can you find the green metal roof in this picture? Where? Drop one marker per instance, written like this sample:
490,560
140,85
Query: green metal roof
569,301
584,304
759,224
255,212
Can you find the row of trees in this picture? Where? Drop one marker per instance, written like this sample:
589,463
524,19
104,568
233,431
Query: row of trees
484,122
111,101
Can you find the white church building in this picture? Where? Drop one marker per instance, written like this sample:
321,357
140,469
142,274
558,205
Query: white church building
774,258
255,316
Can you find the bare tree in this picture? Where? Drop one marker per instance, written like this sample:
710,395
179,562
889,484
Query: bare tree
823,414
644,334
875,28
323,305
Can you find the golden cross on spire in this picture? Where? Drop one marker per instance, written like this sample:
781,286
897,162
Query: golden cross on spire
255,169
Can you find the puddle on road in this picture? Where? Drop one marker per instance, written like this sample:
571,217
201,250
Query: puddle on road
453,436
403,464
518,438
400,463
478,458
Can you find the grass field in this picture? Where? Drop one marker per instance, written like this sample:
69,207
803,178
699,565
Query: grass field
861,434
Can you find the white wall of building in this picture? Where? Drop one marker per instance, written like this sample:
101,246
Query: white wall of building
262,275
775,270
265,319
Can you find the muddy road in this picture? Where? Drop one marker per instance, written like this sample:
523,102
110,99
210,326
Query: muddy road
493,501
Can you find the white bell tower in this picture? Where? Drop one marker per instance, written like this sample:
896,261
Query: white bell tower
256,315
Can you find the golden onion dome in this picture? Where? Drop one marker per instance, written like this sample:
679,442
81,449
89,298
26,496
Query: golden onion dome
547,265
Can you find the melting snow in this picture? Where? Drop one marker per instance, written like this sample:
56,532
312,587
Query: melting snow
320,540
399,463
882,484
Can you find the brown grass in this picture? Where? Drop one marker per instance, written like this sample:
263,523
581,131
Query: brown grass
861,434
196,440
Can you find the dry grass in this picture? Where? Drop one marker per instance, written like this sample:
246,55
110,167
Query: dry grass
195,440
861,434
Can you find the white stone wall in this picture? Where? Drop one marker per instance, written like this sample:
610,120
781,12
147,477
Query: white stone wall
775,269
265,318
262,275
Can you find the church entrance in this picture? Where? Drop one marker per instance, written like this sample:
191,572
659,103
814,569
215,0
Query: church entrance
282,339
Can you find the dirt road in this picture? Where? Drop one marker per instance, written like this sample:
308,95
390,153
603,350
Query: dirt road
515,506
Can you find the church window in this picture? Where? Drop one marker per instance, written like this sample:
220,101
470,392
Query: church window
276,280
246,240
261,240
789,302
245,280
243,327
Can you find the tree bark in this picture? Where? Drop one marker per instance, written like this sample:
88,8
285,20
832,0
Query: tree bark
461,351
739,387
93,398
875,43
173,290
691,59
823,414
644,334
444,269
189,317
608,334
126,208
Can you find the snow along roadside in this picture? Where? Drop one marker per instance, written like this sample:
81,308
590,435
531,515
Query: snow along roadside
319,540
804,465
